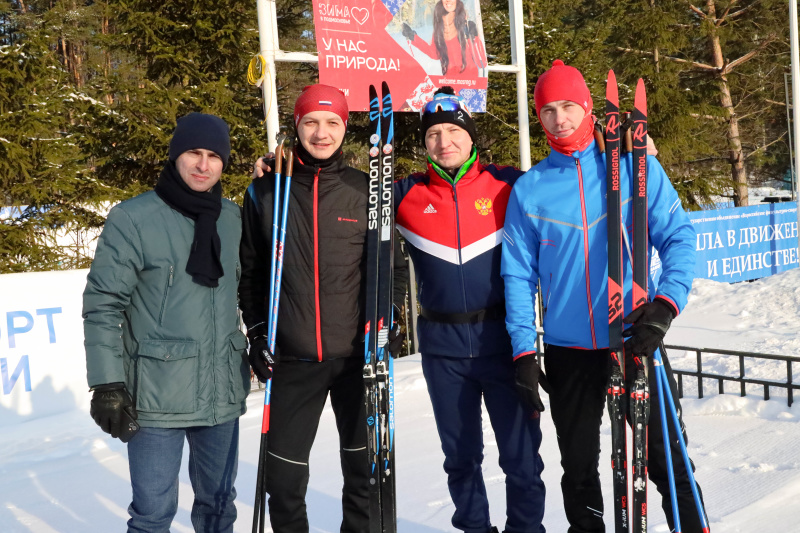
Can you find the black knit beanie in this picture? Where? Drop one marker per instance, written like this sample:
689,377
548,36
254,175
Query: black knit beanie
433,114
199,130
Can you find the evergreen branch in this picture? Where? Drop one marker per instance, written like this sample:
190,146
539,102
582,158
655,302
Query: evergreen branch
749,55
760,148
671,58
708,117
707,159
501,120
744,9
720,20
698,11
725,69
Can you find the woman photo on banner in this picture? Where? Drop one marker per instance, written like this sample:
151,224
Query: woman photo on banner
456,41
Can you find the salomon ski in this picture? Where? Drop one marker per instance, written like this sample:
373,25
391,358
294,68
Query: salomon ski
371,309
378,363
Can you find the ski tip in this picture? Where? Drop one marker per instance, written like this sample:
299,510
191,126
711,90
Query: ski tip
384,87
640,98
612,92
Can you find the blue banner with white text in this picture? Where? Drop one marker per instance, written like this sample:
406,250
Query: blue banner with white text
743,243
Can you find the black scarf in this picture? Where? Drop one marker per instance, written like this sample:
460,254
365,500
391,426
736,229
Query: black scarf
204,265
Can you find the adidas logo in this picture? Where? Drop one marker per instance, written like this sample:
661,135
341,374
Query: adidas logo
430,209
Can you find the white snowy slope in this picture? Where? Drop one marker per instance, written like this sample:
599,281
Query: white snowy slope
61,474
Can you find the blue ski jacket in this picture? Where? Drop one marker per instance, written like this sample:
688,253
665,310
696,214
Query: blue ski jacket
556,234
453,232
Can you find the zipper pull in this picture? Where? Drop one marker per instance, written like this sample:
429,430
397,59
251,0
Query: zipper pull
171,270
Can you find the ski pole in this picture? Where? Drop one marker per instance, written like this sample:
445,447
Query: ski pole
682,442
259,506
275,219
281,244
673,495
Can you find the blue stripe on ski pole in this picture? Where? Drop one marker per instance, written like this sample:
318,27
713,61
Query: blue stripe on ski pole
275,215
688,462
673,495
279,268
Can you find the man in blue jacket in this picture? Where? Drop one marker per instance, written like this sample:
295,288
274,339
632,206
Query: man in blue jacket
556,236
452,220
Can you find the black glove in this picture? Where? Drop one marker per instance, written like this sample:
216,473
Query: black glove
408,33
261,359
650,323
396,338
112,409
527,377
472,29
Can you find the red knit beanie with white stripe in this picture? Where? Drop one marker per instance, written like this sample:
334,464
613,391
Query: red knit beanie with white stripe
320,97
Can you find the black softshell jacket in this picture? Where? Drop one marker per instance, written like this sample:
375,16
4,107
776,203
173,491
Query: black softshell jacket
321,313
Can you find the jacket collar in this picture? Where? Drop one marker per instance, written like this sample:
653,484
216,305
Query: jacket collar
467,175
560,160
330,168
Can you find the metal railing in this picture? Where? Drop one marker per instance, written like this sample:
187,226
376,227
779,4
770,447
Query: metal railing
742,378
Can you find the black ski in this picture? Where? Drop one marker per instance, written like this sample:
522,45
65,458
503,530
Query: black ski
640,395
616,383
371,309
385,362
378,363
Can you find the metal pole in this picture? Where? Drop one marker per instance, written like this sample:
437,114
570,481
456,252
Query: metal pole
412,286
789,128
268,43
795,51
518,59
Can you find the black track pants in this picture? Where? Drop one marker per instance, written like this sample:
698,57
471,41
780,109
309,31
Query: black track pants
579,379
299,392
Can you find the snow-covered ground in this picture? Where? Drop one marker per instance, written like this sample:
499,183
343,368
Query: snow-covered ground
61,474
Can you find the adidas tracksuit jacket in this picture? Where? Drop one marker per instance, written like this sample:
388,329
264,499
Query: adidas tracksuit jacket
453,232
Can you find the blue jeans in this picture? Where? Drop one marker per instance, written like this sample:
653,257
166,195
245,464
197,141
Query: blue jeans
154,457
456,387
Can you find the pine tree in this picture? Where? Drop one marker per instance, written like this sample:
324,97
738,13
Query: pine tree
43,173
714,74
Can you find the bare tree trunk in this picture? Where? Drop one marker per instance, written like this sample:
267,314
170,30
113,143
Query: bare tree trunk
736,153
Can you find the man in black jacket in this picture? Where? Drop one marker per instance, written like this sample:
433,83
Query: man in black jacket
319,343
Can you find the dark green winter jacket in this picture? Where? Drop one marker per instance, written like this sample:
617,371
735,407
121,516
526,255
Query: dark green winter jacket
175,344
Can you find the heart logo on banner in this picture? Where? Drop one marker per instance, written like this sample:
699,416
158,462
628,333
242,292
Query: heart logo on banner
360,14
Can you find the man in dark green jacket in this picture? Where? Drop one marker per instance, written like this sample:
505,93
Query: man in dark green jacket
163,345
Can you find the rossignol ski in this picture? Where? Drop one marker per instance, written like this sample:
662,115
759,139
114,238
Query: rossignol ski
378,362
640,395
633,131
616,383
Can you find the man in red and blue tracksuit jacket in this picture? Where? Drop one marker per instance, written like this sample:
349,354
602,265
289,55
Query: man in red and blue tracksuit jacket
556,237
452,220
